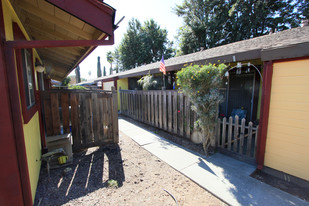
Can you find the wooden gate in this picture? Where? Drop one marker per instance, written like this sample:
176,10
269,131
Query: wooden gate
91,116
237,138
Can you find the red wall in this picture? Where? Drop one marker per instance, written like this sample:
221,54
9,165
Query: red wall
10,183
10,187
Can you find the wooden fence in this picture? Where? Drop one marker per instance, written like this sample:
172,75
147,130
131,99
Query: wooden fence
237,136
91,116
167,110
170,110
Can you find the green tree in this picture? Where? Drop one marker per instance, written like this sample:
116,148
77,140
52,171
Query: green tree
104,71
110,59
66,81
117,60
77,73
99,71
210,23
188,42
303,9
130,48
144,44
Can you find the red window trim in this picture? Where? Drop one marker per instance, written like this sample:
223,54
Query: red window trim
27,113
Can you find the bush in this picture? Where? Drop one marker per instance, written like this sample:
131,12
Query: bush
201,84
77,87
147,82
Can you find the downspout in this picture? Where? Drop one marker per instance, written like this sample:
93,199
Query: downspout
264,114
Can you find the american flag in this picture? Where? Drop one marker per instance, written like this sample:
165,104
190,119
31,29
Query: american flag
162,66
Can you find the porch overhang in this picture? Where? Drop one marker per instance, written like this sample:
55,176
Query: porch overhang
64,32
90,12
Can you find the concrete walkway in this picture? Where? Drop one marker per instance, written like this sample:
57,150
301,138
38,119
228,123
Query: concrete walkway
224,177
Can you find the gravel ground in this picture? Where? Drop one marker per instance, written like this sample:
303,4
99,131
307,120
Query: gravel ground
142,179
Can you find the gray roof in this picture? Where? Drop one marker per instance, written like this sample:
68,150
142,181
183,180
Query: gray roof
290,43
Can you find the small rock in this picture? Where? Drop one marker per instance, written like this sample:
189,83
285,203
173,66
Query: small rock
66,171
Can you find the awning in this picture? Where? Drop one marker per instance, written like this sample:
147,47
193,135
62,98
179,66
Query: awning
65,20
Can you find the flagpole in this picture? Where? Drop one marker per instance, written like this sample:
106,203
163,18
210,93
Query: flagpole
164,88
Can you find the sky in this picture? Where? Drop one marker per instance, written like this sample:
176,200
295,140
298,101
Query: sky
159,10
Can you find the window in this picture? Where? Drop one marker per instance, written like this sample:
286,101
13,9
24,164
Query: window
25,69
28,78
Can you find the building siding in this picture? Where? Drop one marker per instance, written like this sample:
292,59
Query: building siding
124,84
33,149
287,144
32,129
108,85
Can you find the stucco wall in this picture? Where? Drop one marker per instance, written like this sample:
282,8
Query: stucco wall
32,129
124,84
287,143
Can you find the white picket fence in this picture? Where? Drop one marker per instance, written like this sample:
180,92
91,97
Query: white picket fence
234,135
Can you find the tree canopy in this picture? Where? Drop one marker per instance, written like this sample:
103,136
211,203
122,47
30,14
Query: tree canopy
142,44
210,23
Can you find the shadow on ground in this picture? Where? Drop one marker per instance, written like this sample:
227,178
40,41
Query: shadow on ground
90,171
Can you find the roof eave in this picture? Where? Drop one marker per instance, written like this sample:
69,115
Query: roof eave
285,52
97,14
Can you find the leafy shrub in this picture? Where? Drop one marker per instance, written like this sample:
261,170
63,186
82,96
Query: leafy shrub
201,84
77,87
147,81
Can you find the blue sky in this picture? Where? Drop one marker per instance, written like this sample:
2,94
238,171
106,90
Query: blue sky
159,10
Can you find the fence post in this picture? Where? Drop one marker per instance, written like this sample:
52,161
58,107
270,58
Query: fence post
235,142
242,135
218,132
120,96
223,140
115,116
249,139
230,133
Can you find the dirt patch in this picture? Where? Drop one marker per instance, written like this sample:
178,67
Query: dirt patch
288,187
142,179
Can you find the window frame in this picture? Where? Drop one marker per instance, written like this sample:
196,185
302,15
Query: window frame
28,111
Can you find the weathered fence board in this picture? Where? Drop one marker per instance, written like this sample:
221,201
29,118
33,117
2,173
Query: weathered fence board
175,110
160,110
91,116
180,116
236,128
170,112
65,112
55,113
164,110
187,117
48,118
